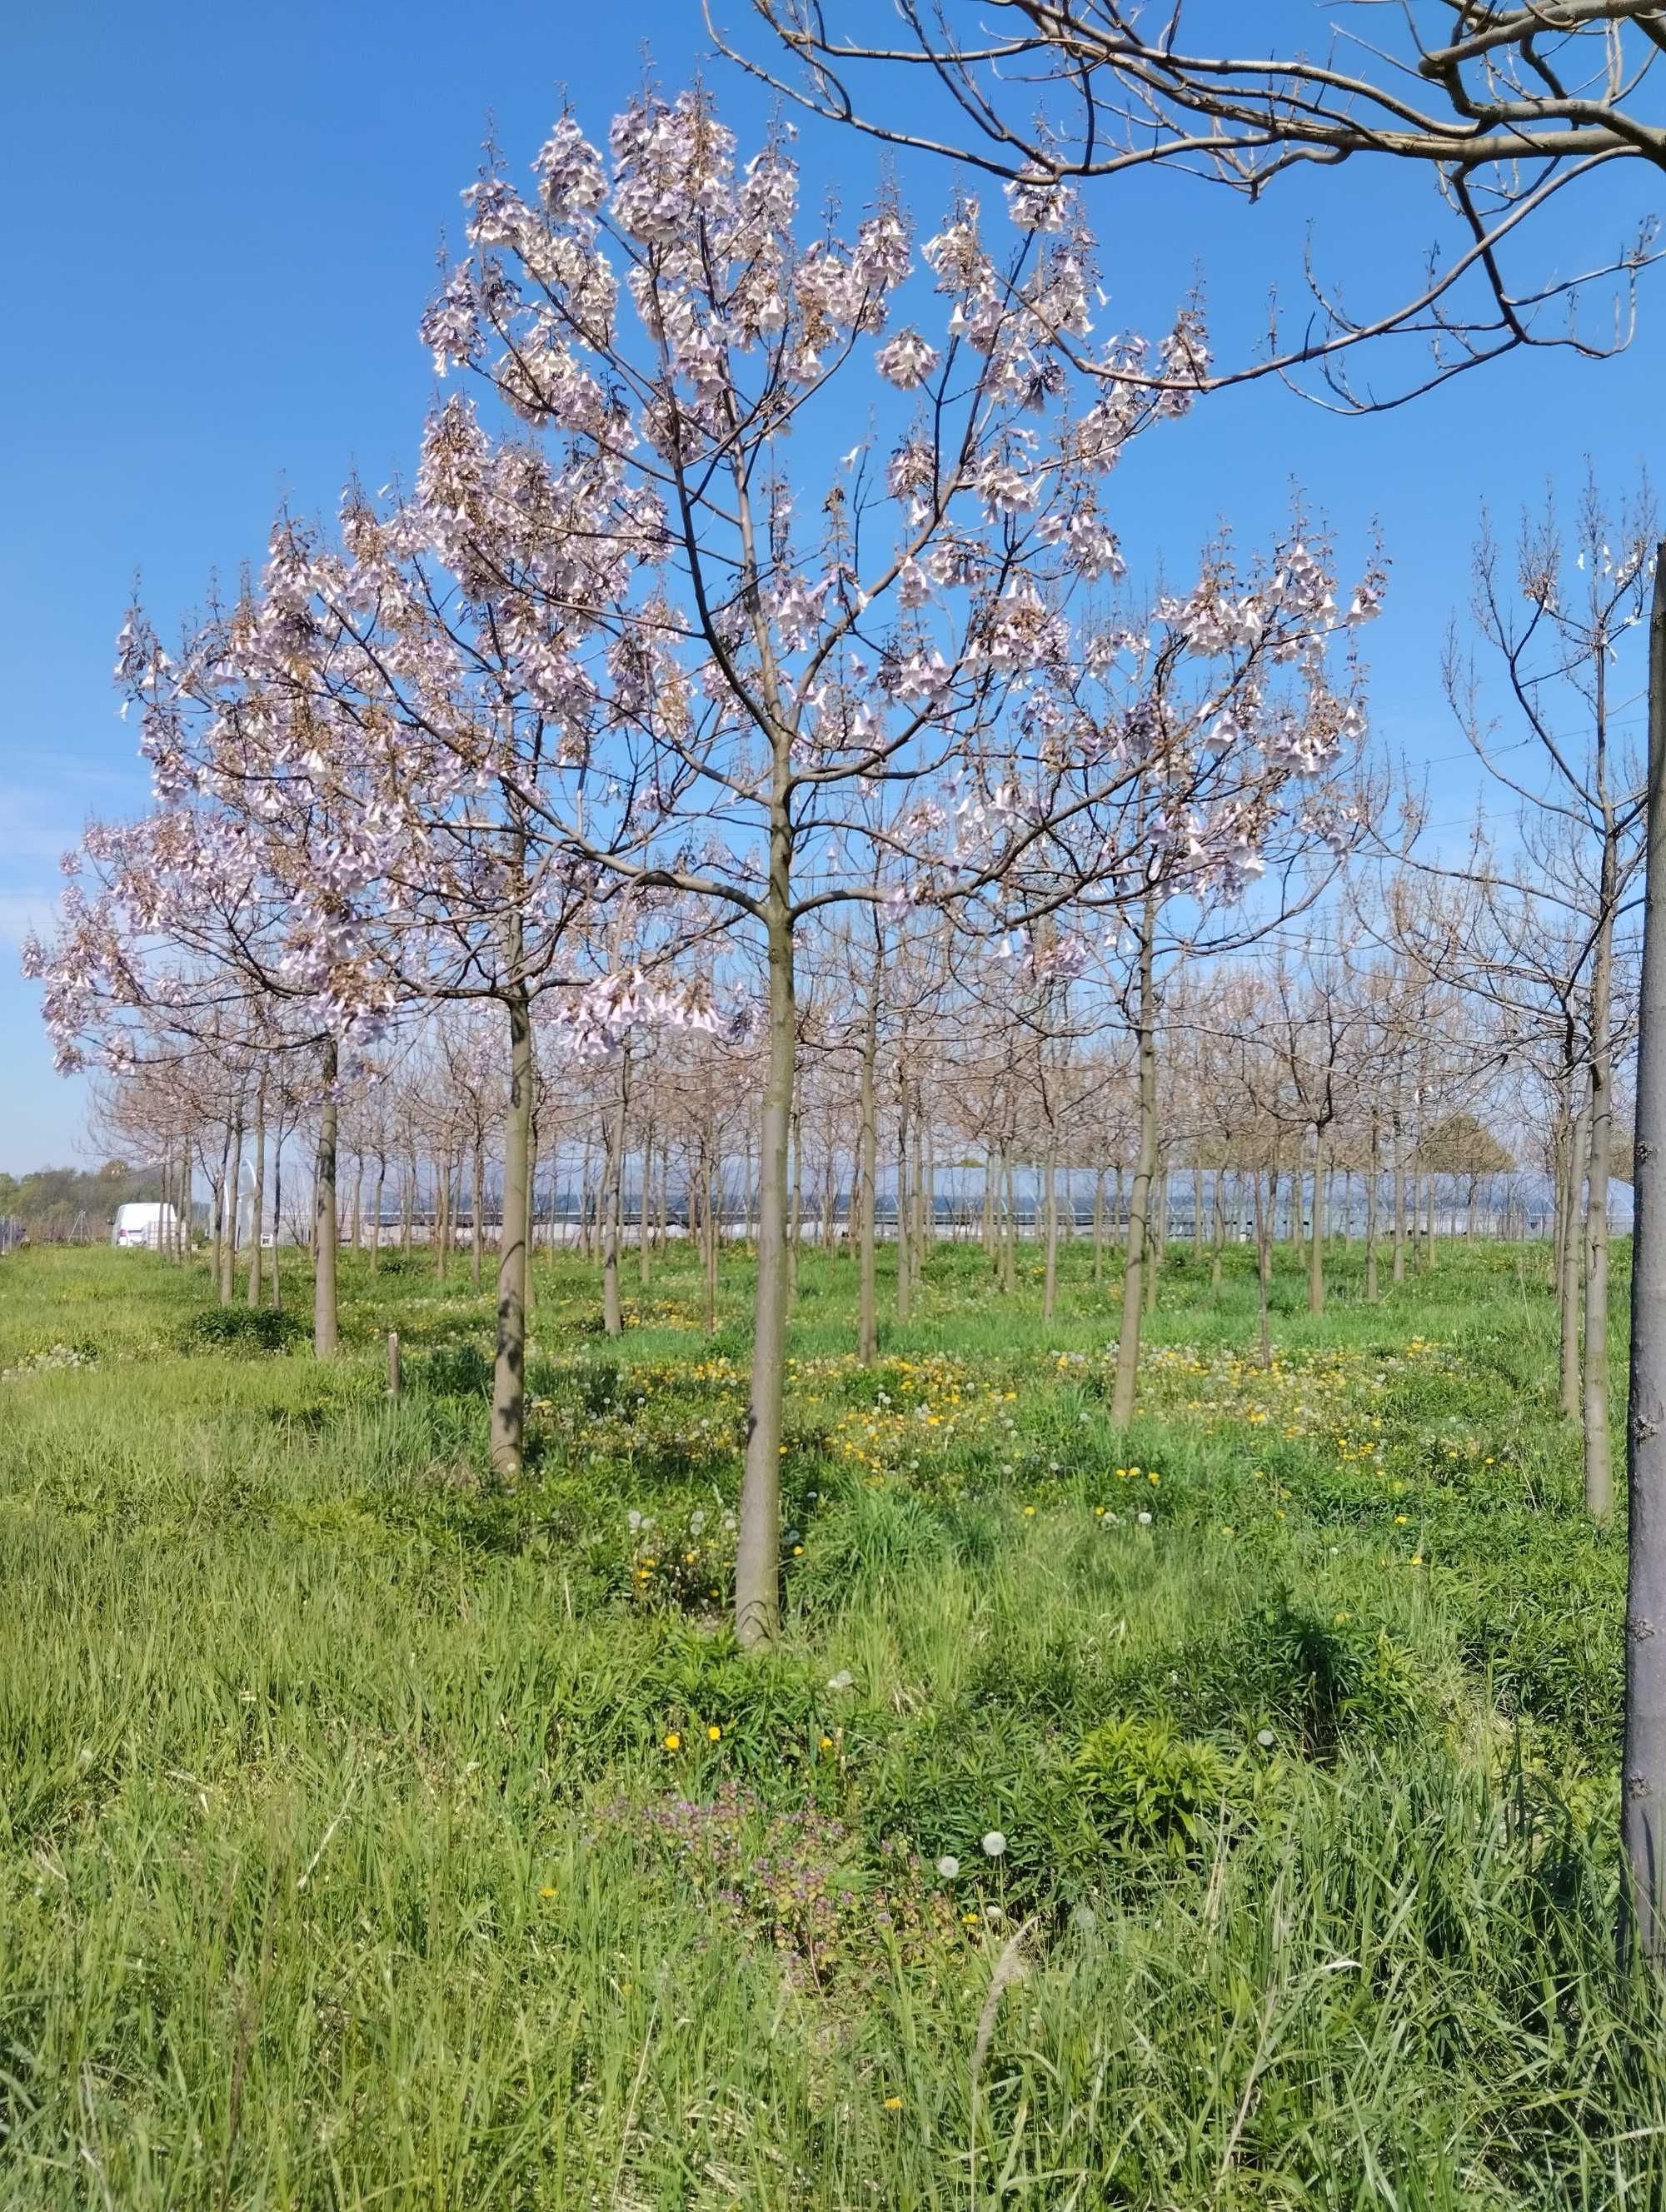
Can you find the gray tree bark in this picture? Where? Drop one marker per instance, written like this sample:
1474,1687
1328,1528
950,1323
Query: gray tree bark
1145,1168
326,1235
508,1425
1644,1758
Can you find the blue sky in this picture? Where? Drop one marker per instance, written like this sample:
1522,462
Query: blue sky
222,226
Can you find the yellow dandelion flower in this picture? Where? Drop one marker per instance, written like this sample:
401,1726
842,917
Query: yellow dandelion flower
893,2104
546,1891
714,1732
673,1741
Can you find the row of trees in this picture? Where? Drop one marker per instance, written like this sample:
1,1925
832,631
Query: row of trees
667,738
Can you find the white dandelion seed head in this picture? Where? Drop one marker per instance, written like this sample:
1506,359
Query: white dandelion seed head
994,1844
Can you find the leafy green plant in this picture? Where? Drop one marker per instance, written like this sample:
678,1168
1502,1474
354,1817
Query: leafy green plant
249,1329
1150,1789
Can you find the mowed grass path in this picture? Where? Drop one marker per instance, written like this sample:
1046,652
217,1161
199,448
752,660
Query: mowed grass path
374,1835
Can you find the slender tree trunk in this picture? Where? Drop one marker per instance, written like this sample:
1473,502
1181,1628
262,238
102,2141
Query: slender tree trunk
222,1226
613,1176
1219,1235
476,1209
1315,1259
710,1201
278,1216
1009,1246
376,1224
326,1233
1099,1227
925,1191
508,1427
1157,1240
1599,1471
1570,1394
1128,1345
532,1196
1643,1759
644,1257
1050,1281
757,1556
868,1323
1373,1180
904,1259
257,1197
1264,1222
1399,1267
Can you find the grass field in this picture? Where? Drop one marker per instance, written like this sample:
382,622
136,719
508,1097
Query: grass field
376,1836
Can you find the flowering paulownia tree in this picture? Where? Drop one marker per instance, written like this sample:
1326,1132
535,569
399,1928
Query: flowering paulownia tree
1504,106
342,763
809,680
1238,742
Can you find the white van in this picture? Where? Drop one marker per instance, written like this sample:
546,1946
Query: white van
143,1225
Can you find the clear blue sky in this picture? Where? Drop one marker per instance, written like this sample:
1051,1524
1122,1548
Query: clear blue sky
221,227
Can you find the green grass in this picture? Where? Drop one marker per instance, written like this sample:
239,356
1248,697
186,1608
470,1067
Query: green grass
367,1840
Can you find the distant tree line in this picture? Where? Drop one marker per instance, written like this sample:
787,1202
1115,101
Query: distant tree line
64,1205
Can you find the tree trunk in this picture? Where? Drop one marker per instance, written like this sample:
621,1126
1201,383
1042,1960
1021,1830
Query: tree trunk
757,1552
376,1223
477,1210
867,1324
1570,1389
509,1428
278,1216
1373,1176
1051,1282
1599,1470
1399,1269
1644,1759
1157,1239
258,1198
1264,1265
1219,1233
905,1262
226,1232
1315,1257
327,1233
644,1258
613,1176
531,1193
1127,1346
1099,1227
